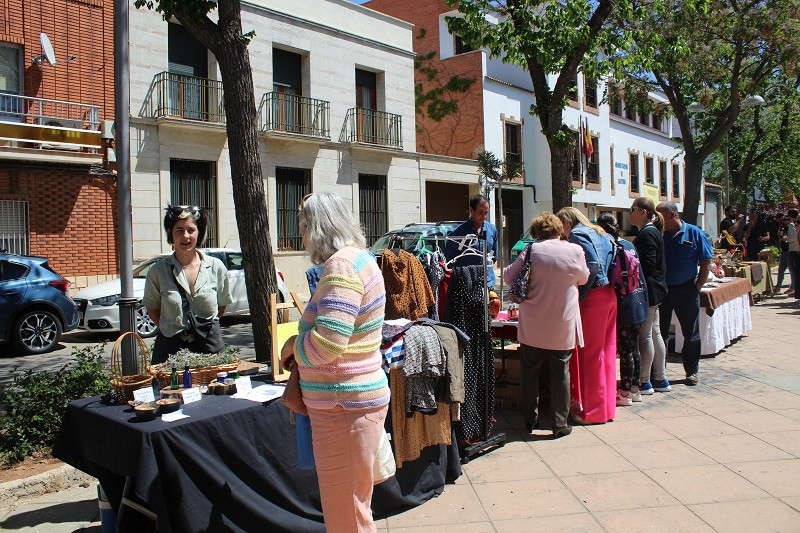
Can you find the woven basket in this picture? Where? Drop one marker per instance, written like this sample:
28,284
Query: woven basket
200,376
125,385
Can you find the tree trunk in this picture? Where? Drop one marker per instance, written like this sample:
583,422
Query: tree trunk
693,181
248,187
561,161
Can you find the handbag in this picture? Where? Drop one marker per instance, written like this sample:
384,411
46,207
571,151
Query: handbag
206,331
292,395
519,287
384,466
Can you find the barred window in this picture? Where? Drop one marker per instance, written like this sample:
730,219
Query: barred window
593,165
195,183
291,184
663,179
15,234
373,206
634,172
649,171
676,184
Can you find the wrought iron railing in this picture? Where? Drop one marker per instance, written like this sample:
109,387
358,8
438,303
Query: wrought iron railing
187,97
294,114
59,113
372,127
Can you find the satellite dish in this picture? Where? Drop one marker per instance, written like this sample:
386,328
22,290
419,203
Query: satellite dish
47,49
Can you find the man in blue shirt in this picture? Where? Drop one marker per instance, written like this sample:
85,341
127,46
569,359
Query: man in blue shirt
475,225
688,256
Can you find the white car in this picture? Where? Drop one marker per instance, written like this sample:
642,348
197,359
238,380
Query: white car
98,309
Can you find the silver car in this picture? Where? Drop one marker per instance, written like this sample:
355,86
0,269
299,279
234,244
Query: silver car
98,309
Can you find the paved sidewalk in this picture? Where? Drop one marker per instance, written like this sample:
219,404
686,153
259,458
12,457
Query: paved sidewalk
722,456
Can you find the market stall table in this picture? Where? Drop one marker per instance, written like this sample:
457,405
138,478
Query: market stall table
231,466
724,315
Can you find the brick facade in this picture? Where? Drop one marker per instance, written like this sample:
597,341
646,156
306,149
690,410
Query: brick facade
72,212
461,134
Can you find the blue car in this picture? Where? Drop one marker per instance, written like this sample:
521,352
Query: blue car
35,307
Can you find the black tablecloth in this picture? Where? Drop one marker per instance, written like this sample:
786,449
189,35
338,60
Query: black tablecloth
231,466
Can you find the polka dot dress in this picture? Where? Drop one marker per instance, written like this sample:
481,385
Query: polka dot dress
465,310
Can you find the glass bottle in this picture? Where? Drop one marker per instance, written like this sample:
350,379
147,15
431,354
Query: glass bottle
173,377
187,376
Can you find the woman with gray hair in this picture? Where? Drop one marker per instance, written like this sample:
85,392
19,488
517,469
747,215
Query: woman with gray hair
336,352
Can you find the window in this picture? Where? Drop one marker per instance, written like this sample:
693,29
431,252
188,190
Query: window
195,183
234,261
644,118
629,112
372,206
663,184
287,86
634,172
572,88
190,96
590,90
615,103
10,82
460,46
611,161
513,142
676,183
593,165
656,122
14,227
576,160
291,185
12,271
649,171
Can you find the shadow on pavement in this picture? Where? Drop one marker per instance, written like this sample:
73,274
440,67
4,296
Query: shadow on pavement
58,513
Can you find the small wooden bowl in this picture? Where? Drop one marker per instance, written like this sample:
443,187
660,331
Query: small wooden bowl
146,411
168,405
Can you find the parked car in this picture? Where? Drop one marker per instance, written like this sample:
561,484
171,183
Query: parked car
98,309
35,308
413,237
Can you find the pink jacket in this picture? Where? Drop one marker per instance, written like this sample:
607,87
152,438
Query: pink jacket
549,317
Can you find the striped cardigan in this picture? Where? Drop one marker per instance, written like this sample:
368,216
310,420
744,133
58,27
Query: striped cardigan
337,348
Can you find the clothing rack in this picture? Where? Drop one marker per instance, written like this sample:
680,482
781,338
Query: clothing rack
498,439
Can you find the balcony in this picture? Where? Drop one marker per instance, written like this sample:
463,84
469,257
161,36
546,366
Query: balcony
52,124
372,127
281,112
185,97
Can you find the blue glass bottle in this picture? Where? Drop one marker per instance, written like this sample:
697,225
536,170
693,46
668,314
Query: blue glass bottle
187,376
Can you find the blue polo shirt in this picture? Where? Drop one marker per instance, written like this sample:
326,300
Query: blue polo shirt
683,251
453,249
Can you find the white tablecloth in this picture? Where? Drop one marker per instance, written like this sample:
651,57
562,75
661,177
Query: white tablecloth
730,321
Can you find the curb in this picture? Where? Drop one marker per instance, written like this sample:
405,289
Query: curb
60,478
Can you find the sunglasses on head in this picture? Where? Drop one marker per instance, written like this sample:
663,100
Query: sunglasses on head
184,211
636,209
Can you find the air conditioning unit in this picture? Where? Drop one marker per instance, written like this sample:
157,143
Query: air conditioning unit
60,123
106,129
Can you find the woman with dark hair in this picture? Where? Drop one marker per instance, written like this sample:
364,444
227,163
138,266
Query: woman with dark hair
549,317
338,358
649,243
593,367
631,313
186,282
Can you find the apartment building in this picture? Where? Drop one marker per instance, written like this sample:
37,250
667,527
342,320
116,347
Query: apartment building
335,86
57,196
633,152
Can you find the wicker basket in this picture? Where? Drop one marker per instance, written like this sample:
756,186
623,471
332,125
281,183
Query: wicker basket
200,376
125,385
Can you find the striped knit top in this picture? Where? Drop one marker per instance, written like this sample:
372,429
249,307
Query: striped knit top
337,349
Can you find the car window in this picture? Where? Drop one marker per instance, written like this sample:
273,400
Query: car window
142,270
234,261
11,271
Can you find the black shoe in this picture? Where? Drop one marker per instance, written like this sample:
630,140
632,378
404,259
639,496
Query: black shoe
530,426
562,432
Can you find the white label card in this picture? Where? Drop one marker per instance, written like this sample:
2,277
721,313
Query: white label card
243,384
144,395
191,395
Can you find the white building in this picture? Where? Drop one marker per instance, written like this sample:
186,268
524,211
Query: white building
335,86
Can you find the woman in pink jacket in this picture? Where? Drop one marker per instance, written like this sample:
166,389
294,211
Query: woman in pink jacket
549,317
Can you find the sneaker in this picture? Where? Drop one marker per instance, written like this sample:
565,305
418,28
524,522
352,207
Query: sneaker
661,386
789,292
646,388
692,380
636,396
623,399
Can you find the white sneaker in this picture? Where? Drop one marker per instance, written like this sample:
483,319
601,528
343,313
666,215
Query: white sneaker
623,399
636,396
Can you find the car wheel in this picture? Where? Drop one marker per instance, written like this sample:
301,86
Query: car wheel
145,326
36,331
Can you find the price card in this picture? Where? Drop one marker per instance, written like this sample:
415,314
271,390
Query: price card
191,395
144,395
243,384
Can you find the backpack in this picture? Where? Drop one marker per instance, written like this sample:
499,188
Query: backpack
624,271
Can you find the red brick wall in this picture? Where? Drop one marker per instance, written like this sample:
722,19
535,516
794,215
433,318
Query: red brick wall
73,215
460,135
80,28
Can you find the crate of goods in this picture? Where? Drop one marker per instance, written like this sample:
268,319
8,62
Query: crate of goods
512,369
507,395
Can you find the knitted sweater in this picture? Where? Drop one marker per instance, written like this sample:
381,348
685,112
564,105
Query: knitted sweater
337,349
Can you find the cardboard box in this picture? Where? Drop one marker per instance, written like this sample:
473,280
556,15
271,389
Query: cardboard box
512,371
507,395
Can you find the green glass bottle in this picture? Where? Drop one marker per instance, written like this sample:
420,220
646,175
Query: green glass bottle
173,378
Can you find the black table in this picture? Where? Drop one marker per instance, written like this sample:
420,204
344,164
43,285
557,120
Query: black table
231,466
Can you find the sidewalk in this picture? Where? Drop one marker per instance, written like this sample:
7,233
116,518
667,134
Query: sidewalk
722,456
